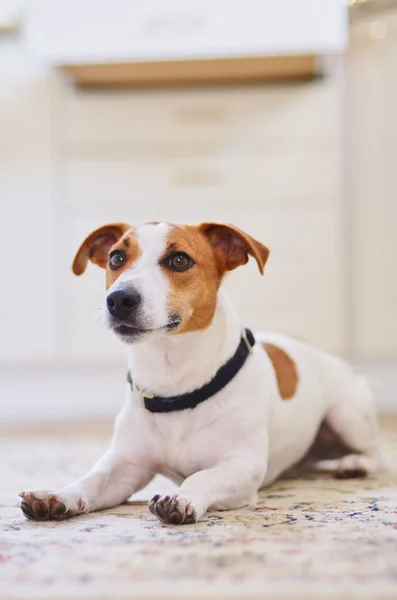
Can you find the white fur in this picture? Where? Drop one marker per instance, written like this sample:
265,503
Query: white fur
227,448
147,277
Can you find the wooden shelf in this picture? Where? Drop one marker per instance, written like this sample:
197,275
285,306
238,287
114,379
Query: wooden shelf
194,72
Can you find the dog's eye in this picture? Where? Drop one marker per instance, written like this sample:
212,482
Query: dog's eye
116,259
179,261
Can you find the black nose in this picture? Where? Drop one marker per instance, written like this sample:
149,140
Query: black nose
122,303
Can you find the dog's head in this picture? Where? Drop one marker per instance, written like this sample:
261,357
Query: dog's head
164,278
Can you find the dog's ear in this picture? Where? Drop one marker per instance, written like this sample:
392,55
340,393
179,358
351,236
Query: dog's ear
232,246
97,245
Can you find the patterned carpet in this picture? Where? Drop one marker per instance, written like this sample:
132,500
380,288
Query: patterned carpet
314,537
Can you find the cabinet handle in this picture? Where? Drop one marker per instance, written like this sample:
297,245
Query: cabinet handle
202,115
197,178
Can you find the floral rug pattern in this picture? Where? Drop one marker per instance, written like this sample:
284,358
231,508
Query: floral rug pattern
314,537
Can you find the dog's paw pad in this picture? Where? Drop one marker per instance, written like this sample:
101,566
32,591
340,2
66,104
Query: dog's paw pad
35,509
43,506
174,509
57,509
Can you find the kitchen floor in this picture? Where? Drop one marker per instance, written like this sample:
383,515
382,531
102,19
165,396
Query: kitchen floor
314,537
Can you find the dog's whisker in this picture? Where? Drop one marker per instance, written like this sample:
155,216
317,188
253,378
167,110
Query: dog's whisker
101,320
205,319
199,317
194,321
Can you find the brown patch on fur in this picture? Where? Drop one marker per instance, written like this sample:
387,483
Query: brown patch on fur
285,370
130,246
193,292
97,245
232,246
215,249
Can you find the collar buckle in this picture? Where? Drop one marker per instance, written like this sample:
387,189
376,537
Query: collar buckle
135,388
244,336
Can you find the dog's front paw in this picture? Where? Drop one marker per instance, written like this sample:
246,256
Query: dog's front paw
47,506
174,509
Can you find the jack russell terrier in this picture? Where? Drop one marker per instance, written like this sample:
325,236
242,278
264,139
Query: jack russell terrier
210,406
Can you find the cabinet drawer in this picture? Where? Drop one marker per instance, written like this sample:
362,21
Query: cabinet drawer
189,189
228,119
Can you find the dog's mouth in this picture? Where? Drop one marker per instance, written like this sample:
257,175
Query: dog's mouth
128,330
133,331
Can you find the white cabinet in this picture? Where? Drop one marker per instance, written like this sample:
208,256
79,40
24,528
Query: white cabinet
297,216
265,158
373,132
29,240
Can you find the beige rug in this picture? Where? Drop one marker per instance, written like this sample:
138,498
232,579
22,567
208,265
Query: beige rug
310,538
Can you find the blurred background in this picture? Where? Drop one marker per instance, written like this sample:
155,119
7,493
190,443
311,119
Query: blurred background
278,116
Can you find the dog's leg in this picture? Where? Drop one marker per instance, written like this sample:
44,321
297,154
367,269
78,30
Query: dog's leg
230,484
354,421
112,481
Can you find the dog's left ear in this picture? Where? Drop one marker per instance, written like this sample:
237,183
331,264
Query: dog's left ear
232,246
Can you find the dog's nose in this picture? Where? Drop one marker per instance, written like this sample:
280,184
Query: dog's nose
123,302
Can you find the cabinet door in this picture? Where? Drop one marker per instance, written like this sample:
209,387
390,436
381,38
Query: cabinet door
296,216
28,241
301,292
373,133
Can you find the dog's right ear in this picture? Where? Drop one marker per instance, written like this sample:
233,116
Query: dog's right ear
97,245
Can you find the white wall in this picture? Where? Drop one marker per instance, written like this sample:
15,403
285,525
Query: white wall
270,159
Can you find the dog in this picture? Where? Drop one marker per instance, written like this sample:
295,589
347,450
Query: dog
210,406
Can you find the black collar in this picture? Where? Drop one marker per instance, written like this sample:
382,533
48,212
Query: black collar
161,404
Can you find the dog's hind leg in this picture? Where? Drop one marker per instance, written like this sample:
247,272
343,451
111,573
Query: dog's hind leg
354,422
